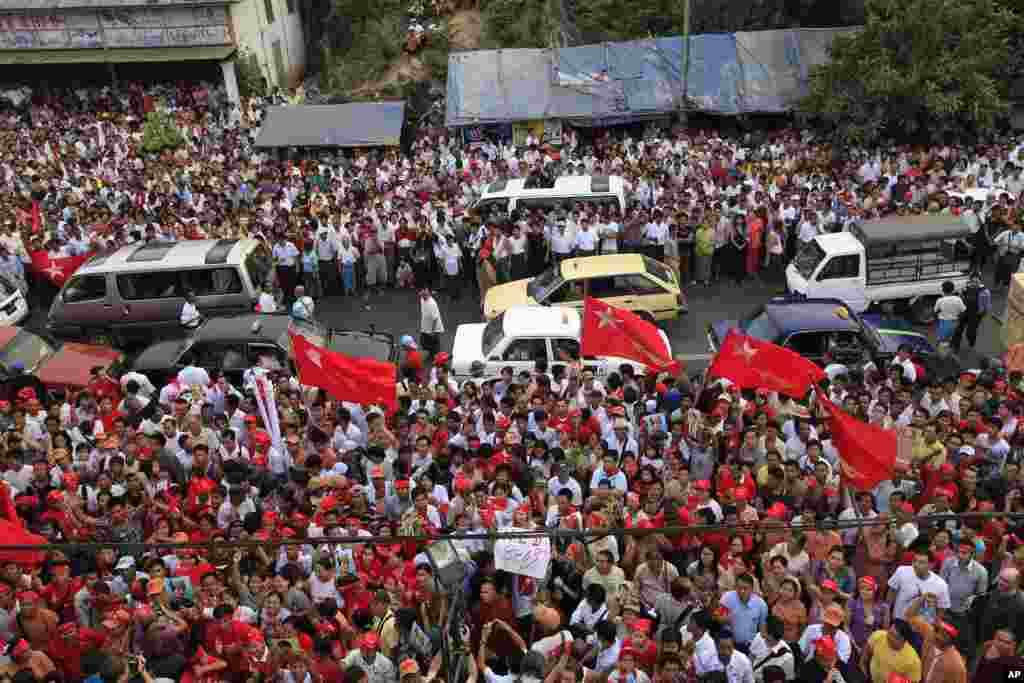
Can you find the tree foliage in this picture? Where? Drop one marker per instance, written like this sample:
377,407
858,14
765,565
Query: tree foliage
519,23
532,23
160,133
920,68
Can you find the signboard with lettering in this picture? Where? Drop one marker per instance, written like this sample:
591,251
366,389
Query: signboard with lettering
116,27
525,556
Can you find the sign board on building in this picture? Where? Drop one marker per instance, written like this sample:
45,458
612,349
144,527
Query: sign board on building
116,27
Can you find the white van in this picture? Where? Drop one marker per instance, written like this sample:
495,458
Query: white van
900,260
517,193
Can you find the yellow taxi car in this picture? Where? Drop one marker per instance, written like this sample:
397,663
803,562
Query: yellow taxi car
631,281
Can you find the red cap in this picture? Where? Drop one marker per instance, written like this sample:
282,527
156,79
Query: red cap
949,629
898,678
869,581
947,468
945,492
908,508
740,494
702,485
19,648
370,641
777,511
402,484
642,626
251,419
830,585
305,642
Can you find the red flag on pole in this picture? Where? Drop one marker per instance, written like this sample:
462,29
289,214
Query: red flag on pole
867,453
752,363
359,380
611,331
57,270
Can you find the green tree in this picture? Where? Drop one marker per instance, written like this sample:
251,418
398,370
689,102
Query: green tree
160,133
519,23
919,68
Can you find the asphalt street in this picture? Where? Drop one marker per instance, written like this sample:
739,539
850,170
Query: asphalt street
397,311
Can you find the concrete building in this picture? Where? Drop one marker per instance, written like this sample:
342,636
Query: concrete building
124,34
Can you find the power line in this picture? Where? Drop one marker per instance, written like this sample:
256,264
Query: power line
762,526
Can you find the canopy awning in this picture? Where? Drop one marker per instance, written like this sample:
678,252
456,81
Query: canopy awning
126,55
355,124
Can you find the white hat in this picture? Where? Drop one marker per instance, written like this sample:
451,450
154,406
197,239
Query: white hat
126,562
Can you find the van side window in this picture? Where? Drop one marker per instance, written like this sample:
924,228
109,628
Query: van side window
566,350
140,286
526,350
85,288
543,203
841,267
212,281
488,205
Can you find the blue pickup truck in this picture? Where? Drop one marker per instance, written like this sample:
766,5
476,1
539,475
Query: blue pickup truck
812,327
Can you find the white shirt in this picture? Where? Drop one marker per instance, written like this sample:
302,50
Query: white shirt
781,656
430,317
908,586
739,670
949,307
267,303
586,240
189,314
705,656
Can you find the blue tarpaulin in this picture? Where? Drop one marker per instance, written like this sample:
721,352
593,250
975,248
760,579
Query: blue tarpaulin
763,71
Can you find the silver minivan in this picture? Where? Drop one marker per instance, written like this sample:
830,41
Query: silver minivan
136,293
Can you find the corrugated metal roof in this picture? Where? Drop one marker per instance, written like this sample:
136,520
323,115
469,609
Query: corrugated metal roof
606,83
355,124
117,55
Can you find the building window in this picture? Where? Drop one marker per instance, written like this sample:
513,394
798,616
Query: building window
269,5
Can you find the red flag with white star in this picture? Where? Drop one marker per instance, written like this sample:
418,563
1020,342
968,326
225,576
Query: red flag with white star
616,332
867,453
359,380
752,363
57,270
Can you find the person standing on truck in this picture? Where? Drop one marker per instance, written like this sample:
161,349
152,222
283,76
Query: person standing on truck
978,301
1010,245
948,309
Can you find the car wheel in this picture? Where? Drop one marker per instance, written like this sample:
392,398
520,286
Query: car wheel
923,310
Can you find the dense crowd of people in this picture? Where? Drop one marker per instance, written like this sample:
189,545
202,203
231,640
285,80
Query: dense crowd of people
762,591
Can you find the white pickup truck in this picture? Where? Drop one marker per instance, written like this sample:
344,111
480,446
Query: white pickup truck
900,261
521,335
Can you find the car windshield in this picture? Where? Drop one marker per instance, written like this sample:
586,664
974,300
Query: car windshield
760,326
26,348
659,270
493,333
808,258
540,287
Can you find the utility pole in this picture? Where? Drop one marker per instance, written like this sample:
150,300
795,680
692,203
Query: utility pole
686,60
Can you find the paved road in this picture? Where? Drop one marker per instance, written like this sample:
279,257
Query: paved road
397,312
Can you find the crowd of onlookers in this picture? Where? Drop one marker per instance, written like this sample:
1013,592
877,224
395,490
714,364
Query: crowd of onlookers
771,595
